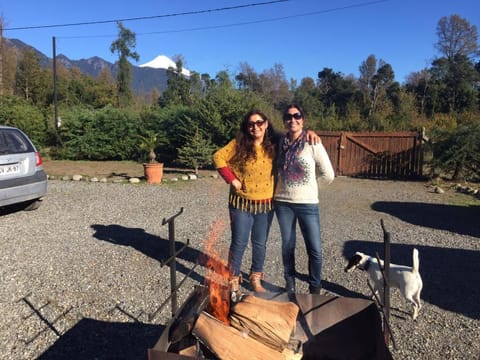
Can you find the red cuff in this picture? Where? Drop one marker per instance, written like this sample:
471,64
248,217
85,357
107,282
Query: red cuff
227,174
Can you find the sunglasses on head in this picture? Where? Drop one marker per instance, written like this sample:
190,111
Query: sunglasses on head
258,123
296,116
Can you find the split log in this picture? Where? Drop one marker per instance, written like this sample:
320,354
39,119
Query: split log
228,343
269,322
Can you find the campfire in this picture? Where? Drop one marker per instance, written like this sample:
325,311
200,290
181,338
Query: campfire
274,326
248,329
259,329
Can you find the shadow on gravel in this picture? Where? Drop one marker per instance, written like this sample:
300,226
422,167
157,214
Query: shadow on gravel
151,245
450,276
462,220
94,339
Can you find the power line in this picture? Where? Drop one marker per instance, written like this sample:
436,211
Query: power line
147,17
212,27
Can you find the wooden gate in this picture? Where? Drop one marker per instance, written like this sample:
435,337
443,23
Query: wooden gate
375,154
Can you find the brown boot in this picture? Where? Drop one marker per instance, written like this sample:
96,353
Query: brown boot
256,281
235,293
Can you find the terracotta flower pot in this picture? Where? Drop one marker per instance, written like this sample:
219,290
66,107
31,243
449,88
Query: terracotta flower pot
153,172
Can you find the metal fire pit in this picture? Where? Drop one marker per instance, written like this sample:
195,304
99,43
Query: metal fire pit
328,327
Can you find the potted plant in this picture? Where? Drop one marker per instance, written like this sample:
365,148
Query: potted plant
153,169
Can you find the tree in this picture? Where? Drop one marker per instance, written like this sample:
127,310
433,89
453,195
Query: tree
247,78
104,93
336,90
273,86
380,91
418,84
454,87
8,64
368,68
123,46
306,95
197,151
28,74
456,37
179,87
458,152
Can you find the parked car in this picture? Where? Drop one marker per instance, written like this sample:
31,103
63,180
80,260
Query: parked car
22,179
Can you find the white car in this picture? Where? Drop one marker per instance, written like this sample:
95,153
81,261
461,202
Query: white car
22,179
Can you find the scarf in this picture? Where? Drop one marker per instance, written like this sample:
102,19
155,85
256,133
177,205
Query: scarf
290,168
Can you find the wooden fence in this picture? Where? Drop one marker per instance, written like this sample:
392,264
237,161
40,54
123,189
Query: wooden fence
375,154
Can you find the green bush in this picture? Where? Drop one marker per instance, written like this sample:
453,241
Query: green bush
23,115
457,152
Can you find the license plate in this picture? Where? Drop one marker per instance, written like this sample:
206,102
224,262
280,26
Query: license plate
9,169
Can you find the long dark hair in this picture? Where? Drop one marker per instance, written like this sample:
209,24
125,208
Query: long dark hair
245,149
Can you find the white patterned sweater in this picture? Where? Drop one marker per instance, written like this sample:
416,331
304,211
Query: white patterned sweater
312,170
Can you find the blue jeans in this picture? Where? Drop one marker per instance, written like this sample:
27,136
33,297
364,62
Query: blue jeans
308,216
246,225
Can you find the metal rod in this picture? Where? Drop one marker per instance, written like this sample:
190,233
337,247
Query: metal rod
172,259
164,262
383,313
164,221
386,278
152,315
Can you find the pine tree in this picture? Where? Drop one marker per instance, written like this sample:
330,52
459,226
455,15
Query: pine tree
123,46
197,151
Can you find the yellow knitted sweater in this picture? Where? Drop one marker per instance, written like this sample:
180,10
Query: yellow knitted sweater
256,178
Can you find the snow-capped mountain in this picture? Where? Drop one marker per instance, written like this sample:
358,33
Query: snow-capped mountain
164,62
145,78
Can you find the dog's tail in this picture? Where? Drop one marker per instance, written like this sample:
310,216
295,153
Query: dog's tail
416,261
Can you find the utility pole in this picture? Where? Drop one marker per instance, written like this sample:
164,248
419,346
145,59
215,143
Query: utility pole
55,83
1,57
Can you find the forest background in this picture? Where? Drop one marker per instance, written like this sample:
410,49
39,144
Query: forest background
78,117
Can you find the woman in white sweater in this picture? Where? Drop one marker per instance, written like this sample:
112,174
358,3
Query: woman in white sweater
301,169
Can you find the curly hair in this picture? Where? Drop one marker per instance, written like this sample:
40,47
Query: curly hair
245,149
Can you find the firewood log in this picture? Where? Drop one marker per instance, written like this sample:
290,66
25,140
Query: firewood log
230,344
269,322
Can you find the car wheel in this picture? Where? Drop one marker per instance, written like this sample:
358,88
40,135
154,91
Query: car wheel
33,205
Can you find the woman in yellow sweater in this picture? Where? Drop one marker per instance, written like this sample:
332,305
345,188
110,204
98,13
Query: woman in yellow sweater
246,163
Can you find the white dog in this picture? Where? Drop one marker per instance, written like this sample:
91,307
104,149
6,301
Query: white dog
407,279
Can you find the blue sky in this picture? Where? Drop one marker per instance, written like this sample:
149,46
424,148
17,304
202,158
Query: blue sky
304,36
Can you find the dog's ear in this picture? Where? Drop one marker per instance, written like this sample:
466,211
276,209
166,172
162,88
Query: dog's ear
353,262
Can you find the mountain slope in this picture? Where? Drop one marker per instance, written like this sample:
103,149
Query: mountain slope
145,77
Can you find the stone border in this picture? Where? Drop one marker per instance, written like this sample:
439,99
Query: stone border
131,180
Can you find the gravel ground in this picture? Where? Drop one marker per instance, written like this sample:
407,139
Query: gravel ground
81,276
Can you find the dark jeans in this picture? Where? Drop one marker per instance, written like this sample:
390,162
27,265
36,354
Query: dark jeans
246,225
308,217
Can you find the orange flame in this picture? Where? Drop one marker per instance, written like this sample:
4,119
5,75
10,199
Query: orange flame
217,276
